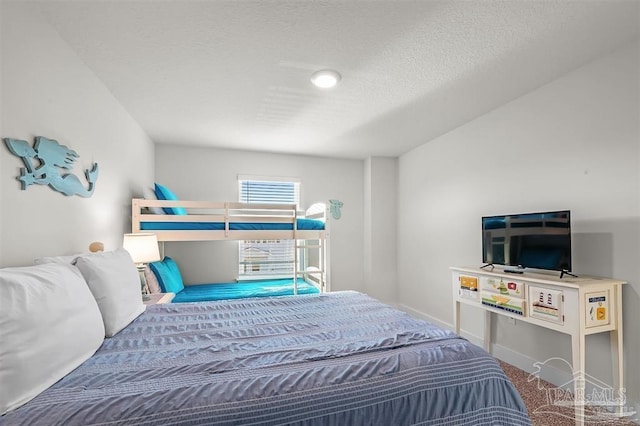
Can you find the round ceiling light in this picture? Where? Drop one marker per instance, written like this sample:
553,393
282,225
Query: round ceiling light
325,79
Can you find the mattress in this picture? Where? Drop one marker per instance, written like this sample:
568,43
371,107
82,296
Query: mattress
238,290
301,224
329,359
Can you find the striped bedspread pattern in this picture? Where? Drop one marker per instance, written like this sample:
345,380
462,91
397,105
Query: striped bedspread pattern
339,358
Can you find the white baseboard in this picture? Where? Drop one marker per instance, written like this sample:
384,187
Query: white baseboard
422,315
550,373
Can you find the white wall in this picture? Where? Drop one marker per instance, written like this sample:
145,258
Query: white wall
380,210
572,144
1,133
212,174
47,91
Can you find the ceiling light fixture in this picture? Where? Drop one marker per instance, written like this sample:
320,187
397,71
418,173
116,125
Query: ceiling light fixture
325,79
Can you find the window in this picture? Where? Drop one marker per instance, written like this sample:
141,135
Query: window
267,258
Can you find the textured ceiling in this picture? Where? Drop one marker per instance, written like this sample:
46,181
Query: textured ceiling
235,74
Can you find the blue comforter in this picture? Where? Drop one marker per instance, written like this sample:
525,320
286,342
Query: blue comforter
330,359
240,290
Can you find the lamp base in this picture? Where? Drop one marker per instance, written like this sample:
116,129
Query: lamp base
144,288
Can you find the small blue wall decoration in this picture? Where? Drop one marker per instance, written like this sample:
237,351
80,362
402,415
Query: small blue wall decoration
49,156
334,208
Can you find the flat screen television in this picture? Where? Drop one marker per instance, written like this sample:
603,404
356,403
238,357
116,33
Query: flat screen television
528,240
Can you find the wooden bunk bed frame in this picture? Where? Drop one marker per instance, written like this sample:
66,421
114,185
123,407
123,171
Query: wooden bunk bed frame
229,213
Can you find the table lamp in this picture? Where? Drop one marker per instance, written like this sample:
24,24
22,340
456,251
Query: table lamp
143,248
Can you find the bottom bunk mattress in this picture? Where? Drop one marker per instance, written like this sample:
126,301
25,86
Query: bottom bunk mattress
240,290
329,359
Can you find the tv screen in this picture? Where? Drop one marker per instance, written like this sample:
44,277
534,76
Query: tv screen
528,240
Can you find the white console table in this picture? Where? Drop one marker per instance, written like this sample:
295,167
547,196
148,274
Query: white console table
577,306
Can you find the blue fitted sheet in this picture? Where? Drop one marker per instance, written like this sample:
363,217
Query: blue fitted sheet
301,224
329,359
238,290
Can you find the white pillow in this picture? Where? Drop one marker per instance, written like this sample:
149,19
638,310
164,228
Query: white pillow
70,259
148,194
49,325
114,281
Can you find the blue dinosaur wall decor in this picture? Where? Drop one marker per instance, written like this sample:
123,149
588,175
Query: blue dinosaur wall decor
51,156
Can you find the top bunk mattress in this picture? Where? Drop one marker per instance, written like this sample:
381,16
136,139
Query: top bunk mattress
301,225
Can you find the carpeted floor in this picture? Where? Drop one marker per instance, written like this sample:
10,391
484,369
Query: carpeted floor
543,413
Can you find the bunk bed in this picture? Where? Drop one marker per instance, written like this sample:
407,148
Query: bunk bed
177,220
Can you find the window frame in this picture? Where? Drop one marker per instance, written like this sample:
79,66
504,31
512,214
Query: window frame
288,245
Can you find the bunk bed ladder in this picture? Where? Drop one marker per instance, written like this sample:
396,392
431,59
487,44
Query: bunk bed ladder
295,268
295,253
321,272
226,220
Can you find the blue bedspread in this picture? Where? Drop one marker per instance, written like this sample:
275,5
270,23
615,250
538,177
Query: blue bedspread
301,224
239,290
330,359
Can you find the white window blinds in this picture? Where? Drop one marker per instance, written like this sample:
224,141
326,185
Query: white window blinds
253,191
267,258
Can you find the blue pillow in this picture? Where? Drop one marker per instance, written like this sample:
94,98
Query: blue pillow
164,193
173,268
168,275
162,274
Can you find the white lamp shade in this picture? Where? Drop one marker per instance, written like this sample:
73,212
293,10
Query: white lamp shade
142,247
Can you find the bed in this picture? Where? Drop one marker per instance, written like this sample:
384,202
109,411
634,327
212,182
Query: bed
339,358
177,220
165,277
